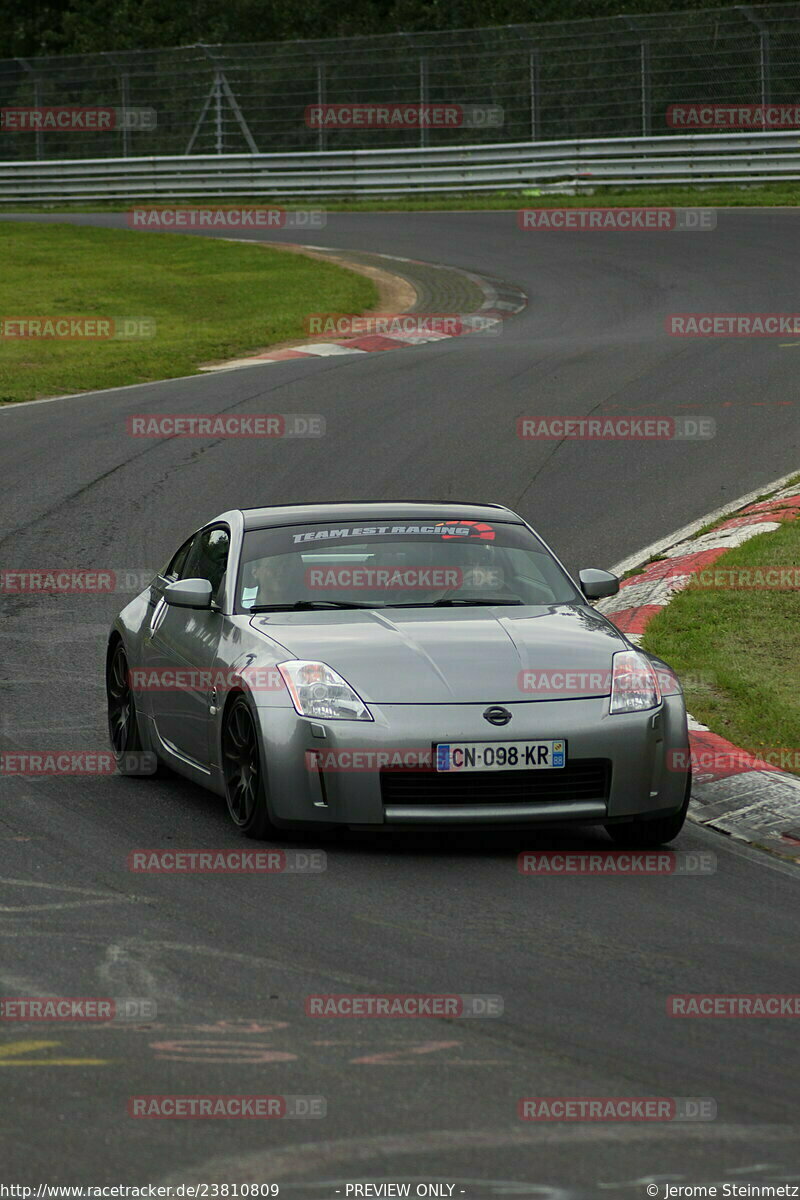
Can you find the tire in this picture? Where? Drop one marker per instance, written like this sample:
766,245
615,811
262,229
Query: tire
123,723
644,833
245,789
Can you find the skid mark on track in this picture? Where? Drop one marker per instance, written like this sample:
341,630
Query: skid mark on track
402,1056
219,1052
90,897
304,1159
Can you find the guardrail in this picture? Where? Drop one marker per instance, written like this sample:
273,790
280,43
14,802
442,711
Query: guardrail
709,158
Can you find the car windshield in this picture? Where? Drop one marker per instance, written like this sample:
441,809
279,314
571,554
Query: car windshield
422,563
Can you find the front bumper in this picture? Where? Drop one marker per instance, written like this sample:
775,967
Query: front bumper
645,781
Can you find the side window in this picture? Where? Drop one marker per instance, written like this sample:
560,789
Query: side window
175,568
208,557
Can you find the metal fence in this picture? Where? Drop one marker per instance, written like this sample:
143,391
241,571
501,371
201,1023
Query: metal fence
699,159
613,77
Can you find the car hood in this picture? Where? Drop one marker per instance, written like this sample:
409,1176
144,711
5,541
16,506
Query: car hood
435,656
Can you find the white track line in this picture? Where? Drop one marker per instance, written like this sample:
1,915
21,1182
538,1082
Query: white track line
680,535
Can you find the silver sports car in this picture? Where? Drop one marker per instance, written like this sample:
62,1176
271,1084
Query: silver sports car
393,666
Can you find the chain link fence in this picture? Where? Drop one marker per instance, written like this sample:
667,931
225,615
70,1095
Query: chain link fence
559,80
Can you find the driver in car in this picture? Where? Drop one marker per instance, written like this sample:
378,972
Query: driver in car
274,580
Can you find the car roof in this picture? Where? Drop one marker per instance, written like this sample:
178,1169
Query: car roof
394,510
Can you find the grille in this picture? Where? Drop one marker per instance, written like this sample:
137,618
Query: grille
582,779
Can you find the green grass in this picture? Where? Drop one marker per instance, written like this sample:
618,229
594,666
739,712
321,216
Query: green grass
210,300
740,650
711,196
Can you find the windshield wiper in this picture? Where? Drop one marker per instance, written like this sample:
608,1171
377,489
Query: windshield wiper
305,605
452,601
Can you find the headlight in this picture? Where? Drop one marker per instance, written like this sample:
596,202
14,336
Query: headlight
319,691
634,684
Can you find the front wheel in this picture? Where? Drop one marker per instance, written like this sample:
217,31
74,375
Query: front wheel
245,790
123,728
644,834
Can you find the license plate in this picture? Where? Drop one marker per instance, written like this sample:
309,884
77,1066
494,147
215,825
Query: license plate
500,756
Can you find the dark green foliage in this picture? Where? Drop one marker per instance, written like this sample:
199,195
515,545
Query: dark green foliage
85,26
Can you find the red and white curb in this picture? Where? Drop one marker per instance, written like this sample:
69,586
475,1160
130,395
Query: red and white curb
733,791
501,300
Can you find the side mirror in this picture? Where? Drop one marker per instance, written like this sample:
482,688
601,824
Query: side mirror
596,584
189,593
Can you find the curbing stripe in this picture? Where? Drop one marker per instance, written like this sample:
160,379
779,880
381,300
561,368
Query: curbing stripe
686,531
501,300
726,539
733,791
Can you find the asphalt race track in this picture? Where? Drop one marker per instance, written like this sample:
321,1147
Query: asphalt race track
584,965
